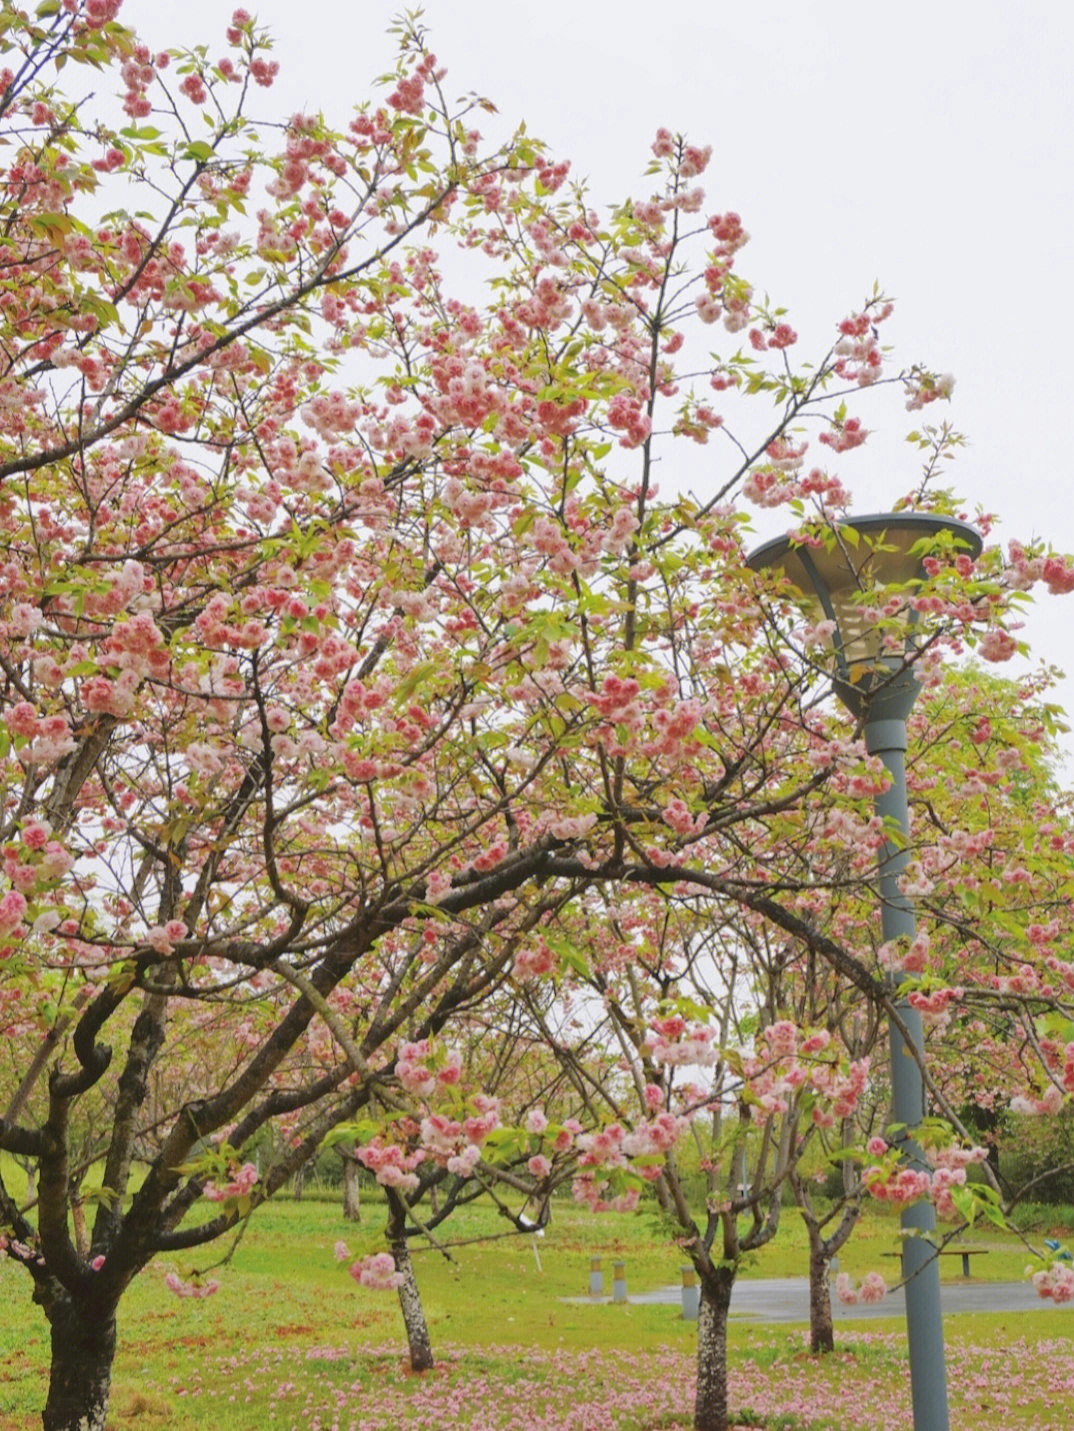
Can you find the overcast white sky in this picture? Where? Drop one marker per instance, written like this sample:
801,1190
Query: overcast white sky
928,144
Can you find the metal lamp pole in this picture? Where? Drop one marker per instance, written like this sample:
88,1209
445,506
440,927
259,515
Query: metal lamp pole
838,579
885,735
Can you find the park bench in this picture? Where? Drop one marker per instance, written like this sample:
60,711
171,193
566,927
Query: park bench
963,1250
965,1253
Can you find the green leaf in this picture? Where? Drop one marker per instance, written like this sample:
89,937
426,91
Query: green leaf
416,676
993,1214
966,1203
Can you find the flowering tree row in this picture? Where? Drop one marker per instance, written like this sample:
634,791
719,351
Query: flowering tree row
346,641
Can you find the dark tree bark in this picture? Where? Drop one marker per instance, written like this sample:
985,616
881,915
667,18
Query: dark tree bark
83,1348
352,1201
710,1402
821,1332
821,1252
298,1182
417,1331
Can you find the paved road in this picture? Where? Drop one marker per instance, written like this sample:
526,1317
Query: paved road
786,1299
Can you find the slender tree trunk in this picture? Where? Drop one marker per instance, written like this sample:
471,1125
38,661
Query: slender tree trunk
299,1179
821,1334
417,1331
83,1347
710,1404
352,1202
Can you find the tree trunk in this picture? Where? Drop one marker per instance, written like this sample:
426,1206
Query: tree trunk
417,1331
352,1202
83,1346
299,1179
710,1403
78,1224
821,1335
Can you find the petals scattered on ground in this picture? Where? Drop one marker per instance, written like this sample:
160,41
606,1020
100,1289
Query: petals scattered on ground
336,1387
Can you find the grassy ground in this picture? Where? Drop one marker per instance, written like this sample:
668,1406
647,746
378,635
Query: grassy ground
290,1340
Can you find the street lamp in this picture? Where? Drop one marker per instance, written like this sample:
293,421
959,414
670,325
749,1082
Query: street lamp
877,685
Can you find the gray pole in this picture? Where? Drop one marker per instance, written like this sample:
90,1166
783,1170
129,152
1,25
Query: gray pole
885,735
836,577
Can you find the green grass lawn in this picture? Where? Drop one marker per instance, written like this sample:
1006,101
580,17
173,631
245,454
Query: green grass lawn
290,1340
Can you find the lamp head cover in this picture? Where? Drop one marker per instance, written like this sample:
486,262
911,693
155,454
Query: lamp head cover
856,560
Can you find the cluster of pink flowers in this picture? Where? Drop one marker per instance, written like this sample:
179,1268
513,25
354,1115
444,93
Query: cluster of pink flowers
944,1181
49,737
95,13
788,1059
413,1069
923,388
1056,1283
534,960
957,1157
842,437
676,815
376,1272
175,1283
1049,1102
1025,568
12,913
590,1189
914,960
872,1289
391,1165
891,1183
409,92
35,863
138,73
569,827
933,1007
164,937
627,415
778,336
996,645
901,1185
657,1135
772,485
239,1186
858,355
674,1041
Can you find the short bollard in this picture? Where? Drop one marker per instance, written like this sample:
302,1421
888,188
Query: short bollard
689,1295
618,1281
596,1278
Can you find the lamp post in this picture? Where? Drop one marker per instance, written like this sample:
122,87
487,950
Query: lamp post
878,686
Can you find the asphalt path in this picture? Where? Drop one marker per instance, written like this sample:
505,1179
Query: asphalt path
786,1299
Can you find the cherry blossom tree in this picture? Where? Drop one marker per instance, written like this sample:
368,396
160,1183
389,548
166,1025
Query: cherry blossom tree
345,639
434,1150
720,1078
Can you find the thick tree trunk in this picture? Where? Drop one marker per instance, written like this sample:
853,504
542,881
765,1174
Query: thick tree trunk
83,1347
821,1335
352,1202
417,1331
710,1403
